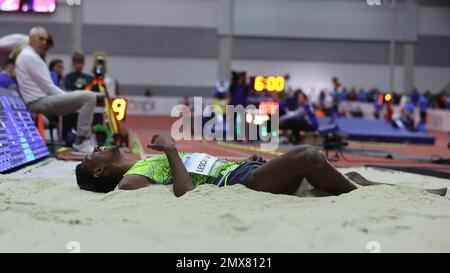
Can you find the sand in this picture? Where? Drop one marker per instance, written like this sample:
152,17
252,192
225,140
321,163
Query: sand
42,210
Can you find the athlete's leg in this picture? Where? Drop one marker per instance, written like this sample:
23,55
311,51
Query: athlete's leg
361,180
285,173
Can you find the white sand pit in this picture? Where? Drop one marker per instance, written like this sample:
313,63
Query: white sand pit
42,210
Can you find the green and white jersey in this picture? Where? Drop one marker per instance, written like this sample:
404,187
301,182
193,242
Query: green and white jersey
202,168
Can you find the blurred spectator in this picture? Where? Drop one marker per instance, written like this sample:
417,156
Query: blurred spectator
415,96
441,100
77,80
335,94
373,94
423,106
287,86
378,103
56,68
432,99
282,104
291,102
7,76
352,96
238,94
362,96
238,89
325,102
343,94
302,119
336,83
407,113
396,98
322,97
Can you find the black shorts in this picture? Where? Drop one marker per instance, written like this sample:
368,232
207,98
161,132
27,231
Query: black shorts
240,175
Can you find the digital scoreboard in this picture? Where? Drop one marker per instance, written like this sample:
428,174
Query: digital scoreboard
20,142
31,6
270,84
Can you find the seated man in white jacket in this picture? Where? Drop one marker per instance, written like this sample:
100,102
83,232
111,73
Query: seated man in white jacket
42,96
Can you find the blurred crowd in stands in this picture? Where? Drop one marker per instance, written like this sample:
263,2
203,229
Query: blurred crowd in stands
300,110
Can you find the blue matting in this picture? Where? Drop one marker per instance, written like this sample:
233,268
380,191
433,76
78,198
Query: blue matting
380,131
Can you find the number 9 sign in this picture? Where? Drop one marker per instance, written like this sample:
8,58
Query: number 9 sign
119,106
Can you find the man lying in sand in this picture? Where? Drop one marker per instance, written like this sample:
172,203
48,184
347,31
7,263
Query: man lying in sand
107,169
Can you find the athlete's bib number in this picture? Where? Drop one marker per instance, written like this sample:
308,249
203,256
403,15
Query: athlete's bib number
200,163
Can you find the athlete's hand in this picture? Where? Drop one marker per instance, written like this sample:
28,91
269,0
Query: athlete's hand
256,157
162,142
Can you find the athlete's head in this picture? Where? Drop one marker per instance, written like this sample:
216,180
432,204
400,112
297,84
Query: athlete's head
98,171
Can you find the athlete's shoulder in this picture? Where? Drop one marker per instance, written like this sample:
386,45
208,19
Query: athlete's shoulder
133,182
